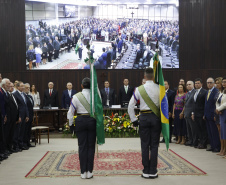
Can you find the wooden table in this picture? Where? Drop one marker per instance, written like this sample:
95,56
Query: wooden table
56,118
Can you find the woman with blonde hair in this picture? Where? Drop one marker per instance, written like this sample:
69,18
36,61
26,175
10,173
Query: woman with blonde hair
30,55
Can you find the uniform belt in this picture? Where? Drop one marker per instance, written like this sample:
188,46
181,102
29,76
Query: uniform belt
146,111
85,114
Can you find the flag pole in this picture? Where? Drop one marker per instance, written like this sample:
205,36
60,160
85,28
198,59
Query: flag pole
91,73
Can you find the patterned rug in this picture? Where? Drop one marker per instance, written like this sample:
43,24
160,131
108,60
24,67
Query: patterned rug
70,64
66,163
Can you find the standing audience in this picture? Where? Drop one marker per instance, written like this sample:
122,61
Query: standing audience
188,108
210,107
221,110
178,114
35,96
200,131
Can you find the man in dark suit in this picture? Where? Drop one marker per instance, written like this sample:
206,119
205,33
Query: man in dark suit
3,120
14,118
56,46
198,114
188,108
104,56
107,95
6,125
170,96
50,50
23,116
120,44
67,95
30,105
69,42
210,107
125,92
51,96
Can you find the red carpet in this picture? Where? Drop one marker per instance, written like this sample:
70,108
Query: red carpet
66,163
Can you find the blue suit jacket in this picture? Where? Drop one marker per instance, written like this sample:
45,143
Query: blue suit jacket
104,56
210,104
170,96
66,100
22,106
120,43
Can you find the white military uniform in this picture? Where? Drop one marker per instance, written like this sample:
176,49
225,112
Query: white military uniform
85,130
76,105
152,90
149,129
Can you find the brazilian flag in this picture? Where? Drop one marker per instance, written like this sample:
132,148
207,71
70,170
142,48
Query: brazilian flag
164,111
76,48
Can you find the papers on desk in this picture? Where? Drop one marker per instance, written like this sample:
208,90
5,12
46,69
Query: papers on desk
54,108
116,106
36,108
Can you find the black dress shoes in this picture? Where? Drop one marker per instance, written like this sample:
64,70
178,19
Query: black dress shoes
30,145
201,147
216,150
209,149
24,148
188,144
13,150
3,156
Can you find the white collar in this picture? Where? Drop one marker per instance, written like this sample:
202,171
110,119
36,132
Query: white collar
211,89
149,82
19,92
85,90
198,89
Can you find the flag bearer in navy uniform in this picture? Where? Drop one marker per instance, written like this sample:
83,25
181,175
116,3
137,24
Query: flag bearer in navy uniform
85,128
149,122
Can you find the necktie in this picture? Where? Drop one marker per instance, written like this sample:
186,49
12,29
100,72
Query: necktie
22,94
107,91
196,94
208,95
50,92
14,99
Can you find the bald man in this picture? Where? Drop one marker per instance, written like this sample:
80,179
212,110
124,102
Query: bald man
67,95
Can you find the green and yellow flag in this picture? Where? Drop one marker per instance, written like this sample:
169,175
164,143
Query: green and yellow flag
95,101
164,110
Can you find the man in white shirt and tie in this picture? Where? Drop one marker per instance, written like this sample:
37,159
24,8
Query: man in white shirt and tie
107,95
67,95
51,96
198,114
125,93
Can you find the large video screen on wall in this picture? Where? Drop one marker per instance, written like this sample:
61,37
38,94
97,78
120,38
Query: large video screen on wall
120,36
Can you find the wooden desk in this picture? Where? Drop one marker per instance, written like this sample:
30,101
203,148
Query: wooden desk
56,118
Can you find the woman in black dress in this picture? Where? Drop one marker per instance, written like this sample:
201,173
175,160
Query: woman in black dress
30,55
114,50
44,53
